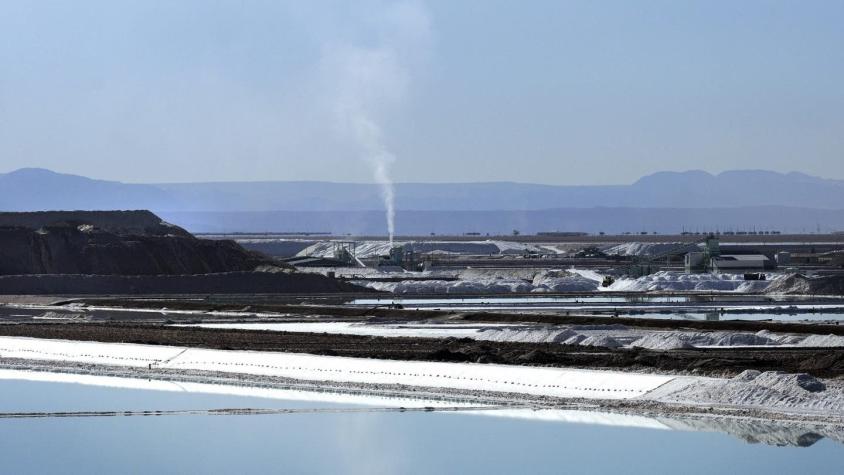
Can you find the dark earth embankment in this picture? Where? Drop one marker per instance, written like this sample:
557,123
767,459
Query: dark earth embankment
821,362
134,252
112,243
138,222
229,282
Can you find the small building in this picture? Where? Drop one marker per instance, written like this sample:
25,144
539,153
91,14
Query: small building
695,261
700,261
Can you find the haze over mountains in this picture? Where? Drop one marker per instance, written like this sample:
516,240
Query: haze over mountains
750,198
39,189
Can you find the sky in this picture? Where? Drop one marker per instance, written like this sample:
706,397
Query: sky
556,92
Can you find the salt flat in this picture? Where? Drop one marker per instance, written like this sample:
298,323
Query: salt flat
555,382
770,392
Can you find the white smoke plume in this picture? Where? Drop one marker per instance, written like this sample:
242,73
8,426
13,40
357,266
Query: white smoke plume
369,136
369,79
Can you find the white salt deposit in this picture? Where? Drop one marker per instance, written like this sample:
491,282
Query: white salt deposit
562,281
527,334
650,248
410,287
588,274
822,341
798,393
489,282
680,281
370,249
772,390
573,280
600,340
557,382
659,341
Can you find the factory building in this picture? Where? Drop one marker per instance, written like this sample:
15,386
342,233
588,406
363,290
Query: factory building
711,259
695,261
741,262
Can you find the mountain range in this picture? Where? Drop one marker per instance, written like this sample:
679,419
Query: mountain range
736,199
33,189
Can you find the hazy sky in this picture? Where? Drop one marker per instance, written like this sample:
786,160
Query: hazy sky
563,92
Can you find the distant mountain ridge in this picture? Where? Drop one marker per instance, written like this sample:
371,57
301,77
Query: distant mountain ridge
36,189
33,189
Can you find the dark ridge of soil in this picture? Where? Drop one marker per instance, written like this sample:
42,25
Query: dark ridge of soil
389,313
821,362
137,222
653,323
74,249
126,243
228,282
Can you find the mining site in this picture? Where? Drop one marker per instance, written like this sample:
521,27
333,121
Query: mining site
739,335
421,237
735,328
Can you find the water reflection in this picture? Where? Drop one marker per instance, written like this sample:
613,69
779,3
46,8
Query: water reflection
513,440
33,394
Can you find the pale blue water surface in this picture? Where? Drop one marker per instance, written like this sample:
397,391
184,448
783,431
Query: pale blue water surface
359,442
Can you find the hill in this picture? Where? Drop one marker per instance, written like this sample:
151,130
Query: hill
111,243
665,202
38,189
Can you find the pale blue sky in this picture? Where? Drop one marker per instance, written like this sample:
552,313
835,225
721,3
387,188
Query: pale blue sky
562,92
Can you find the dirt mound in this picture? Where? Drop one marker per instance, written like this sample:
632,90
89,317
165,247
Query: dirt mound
223,283
112,243
139,222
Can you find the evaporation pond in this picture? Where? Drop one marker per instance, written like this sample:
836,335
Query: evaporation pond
357,441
